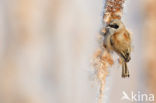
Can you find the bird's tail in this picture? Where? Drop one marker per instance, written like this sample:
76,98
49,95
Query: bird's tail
125,72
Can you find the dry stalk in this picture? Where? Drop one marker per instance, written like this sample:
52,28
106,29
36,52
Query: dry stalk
103,59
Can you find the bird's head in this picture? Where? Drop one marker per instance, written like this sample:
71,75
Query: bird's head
116,25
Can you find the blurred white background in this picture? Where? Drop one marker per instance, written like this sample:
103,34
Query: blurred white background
46,47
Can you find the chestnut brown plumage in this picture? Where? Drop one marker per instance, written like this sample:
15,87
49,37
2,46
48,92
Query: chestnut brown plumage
118,39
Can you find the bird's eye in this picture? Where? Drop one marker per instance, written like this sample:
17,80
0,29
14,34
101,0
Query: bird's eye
114,26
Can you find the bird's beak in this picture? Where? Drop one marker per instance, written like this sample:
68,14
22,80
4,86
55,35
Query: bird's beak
108,25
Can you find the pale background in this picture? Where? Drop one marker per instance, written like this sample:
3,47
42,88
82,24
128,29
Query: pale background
46,48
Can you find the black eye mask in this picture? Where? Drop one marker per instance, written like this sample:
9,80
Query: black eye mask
115,26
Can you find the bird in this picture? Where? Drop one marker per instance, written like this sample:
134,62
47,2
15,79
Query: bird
118,39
